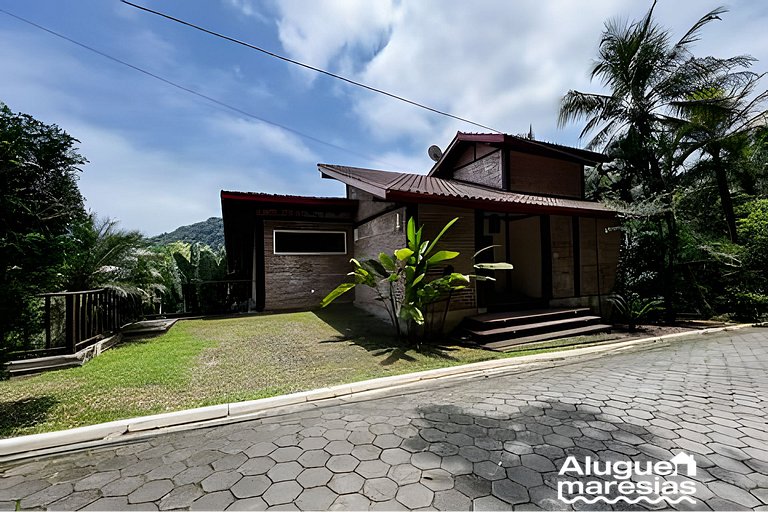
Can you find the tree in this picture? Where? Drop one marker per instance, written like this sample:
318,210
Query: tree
650,81
720,122
39,164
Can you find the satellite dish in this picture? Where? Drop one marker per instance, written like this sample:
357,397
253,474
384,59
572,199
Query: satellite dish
435,153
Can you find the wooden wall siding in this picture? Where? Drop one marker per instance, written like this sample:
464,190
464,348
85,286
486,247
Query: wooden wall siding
542,175
561,228
525,256
486,170
367,205
378,235
608,251
461,238
289,280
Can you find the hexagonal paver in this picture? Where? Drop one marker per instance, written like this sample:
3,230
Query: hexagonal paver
151,491
250,486
249,504
511,492
284,471
351,502
346,483
372,469
524,476
414,496
314,458
472,486
380,489
385,441
256,466
426,460
361,437
313,443
220,480
314,477
96,480
339,447
437,479
489,503
451,500
366,452
342,463
537,462
193,475
180,497
286,454
218,500
125,486
317,498
282,492
395,456
456,465
404,474
260,449
489,470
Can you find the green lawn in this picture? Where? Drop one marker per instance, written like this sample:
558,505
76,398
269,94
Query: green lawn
204,362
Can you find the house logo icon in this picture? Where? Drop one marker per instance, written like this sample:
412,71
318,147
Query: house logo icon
684,459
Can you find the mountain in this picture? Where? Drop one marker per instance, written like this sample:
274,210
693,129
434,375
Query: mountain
209,232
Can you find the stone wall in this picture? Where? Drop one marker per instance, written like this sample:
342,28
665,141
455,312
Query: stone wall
300,282
385,233
484,171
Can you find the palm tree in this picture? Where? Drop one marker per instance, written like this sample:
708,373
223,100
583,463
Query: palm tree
721,123
644,73
103,256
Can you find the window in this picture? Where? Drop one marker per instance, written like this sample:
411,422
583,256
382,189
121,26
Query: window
305,242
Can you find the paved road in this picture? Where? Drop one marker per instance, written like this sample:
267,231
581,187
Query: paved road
482,444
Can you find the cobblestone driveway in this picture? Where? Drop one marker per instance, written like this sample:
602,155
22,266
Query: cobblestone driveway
484,444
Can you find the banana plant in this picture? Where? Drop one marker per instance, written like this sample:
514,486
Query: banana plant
400,279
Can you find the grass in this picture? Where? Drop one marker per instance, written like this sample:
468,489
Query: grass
205,362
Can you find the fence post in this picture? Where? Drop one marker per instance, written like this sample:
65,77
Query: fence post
47,321
70,323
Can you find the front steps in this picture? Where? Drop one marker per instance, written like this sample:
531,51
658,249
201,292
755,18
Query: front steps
505,331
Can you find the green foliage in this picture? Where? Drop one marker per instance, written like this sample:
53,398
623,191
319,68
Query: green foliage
40,201
687,139
202,272
404,284
632,308
208,232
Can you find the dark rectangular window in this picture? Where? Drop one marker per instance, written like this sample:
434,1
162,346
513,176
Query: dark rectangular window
297,242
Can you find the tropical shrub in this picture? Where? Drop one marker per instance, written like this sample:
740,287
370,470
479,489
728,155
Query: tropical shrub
402,284
632,308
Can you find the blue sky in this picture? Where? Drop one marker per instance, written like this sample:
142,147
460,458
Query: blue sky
159,156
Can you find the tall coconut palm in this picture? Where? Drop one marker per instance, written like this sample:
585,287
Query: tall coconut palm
644,72
720,123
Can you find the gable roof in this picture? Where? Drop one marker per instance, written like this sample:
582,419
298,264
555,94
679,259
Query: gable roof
581,156
400,186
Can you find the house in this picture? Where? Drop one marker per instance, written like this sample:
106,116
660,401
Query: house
524,197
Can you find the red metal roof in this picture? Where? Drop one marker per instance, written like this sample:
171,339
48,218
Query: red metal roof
277,198
523,144
405,186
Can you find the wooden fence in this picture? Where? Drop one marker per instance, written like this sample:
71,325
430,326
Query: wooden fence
75,320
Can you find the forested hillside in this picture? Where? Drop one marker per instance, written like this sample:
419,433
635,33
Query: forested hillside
208,232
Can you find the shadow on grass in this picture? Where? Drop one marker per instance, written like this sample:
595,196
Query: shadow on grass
376,336
28,412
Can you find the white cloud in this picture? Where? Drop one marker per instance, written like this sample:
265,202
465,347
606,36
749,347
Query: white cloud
247,8
317,32
259,137
504,65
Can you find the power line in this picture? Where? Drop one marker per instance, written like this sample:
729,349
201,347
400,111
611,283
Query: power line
307,66
194,92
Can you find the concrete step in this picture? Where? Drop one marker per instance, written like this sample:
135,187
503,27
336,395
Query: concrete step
495,320
509,345
514,331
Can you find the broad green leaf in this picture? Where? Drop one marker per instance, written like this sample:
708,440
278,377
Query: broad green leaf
441,256
484,278
403,254
440,235
375,267
411,233
387,261
335,293
494,266
418,279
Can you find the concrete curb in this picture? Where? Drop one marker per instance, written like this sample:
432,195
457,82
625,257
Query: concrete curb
130,429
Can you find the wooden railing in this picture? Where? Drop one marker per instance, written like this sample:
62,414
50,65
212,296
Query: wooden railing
84,318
